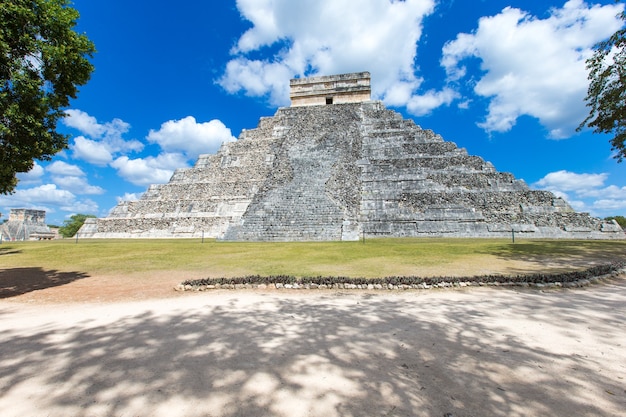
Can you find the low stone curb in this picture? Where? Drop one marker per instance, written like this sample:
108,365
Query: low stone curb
400,287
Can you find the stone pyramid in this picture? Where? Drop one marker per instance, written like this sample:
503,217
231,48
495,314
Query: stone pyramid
338,166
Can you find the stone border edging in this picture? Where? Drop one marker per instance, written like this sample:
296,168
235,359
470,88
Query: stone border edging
564,280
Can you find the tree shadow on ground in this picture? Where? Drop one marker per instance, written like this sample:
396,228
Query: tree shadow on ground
561,255
8,251
369,355
18,281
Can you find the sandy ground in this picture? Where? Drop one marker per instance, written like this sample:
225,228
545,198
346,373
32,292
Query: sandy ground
65,351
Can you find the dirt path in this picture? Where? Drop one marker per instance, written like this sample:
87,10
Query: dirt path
37,286
478,352
30,285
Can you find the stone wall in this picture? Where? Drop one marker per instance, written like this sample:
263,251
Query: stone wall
27,215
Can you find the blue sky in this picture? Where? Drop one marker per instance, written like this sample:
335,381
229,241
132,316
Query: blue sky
504,79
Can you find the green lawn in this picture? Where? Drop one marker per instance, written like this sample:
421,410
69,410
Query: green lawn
374,258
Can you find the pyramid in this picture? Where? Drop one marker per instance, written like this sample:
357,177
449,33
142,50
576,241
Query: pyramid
336,165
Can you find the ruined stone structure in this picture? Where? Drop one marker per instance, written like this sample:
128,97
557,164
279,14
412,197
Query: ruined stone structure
24,224
340,171
334,89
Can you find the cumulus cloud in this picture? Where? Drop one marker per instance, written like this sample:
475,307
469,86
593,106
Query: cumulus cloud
103,141
72,178
190,137
420,105
32,176
570,181
150,170
533,66
129,197
86,206
610,206
378,36
91,151
63,168
44,195
88,125
77,185
586,192
258,78
83,122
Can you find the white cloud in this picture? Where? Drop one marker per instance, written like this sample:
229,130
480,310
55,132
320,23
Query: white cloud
533,66
104,140
586,192
258,78
83,122
47,194
86,206
610,192
570,181
88,150
150,170
77,185
378,36
72,178
63,168
610,207
423,104
32,176
191,138
129,197
88,125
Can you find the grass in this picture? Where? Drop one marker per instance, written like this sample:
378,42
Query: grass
374,258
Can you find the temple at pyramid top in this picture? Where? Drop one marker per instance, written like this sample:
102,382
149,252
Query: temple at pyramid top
333,89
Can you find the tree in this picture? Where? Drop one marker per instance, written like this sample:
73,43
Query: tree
606,95
75,222
42,63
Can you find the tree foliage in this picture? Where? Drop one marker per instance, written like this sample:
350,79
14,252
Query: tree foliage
606,96
71,226
42,63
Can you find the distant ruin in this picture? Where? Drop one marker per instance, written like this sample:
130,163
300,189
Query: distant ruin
338,166
25,224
